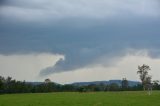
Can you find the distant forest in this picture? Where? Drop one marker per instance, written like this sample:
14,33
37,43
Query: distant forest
9,85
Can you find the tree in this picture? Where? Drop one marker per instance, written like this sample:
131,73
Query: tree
148,79
155,84
47,80
114,87
143,74
2,80
48,86
82,89
124,84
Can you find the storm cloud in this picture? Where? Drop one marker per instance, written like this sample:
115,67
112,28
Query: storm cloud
82,31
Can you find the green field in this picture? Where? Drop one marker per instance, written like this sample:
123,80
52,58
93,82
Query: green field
82,99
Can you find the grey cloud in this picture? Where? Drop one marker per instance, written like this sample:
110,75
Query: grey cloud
80,47
43,10
82,40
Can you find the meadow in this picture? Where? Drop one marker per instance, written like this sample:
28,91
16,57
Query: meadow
132,98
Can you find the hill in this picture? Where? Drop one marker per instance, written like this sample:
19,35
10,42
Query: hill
131,83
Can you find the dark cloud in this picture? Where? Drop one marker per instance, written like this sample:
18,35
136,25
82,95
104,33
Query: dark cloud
2,2
81,47
81,40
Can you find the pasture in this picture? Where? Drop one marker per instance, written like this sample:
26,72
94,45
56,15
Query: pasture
132,98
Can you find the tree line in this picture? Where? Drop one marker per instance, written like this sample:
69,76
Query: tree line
9,85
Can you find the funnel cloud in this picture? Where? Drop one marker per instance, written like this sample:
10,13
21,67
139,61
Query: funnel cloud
86,33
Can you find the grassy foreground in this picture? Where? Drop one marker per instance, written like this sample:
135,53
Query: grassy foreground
82,99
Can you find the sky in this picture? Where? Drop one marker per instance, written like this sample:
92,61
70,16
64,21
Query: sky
82,40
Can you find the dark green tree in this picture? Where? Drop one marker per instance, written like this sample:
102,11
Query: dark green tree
2,80
155,85
114,87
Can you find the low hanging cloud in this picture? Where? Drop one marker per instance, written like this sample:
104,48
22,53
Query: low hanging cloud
125,66
83,32
26,66
81,47
105,60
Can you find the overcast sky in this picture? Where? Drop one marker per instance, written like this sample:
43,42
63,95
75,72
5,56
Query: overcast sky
81,40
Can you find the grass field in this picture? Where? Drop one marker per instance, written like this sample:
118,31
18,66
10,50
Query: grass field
82,99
